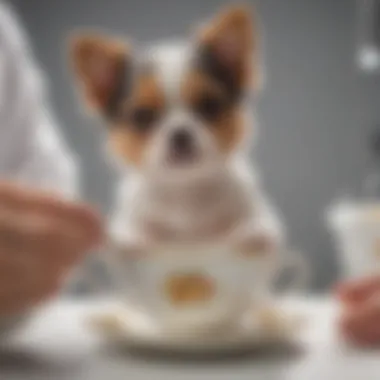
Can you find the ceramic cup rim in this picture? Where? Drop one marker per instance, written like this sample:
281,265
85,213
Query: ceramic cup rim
245,289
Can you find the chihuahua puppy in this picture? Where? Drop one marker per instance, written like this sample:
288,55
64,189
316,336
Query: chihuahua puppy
179,117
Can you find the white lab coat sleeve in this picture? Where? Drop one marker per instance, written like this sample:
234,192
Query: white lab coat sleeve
33,151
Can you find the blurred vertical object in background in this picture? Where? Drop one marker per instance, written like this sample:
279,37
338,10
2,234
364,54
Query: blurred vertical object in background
368,35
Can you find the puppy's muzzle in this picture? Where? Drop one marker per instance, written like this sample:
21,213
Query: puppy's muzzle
181,146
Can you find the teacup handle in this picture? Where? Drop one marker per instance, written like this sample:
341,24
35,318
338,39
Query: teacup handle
293,261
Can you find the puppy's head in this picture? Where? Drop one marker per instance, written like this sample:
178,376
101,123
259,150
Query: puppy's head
176,108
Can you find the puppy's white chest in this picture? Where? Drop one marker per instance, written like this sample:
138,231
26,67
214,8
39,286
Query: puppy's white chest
200,212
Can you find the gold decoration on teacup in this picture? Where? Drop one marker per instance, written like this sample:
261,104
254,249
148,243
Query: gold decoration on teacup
189,288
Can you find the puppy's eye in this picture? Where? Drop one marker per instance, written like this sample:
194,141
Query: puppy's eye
143,118
210,108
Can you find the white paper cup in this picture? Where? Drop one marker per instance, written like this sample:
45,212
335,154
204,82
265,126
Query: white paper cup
356,230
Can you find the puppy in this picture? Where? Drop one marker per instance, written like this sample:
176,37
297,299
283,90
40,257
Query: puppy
179,116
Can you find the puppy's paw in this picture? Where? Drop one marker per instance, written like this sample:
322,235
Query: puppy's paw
127,248
133,249
256,242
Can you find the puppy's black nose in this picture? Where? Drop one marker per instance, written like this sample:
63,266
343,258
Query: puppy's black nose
181,141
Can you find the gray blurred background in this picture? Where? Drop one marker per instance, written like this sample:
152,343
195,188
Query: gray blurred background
315,113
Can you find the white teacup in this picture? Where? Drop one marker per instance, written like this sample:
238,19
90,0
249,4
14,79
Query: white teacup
197,287
356,229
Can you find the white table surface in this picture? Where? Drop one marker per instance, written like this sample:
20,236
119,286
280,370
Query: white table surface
55,345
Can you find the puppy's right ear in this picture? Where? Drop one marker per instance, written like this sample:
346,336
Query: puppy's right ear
99,64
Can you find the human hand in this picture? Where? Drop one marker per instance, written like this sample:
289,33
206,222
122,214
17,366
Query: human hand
41,238
360,320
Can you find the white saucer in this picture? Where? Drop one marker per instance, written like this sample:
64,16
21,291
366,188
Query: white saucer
274,327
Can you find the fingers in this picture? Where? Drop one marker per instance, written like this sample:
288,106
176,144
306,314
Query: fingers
19,299
49,241
358,291
33,202
24,283
360,322
53,241
362,325
41,238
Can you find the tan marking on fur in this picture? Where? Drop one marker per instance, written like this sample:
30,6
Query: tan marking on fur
196,83
97,62
125,140
147,92
235,24
229,129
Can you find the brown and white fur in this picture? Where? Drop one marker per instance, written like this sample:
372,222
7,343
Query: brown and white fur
179,119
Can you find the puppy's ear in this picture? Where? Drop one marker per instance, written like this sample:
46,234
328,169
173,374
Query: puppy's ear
229,48
100,66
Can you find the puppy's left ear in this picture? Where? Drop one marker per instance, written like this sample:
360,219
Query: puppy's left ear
229,44
100,65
